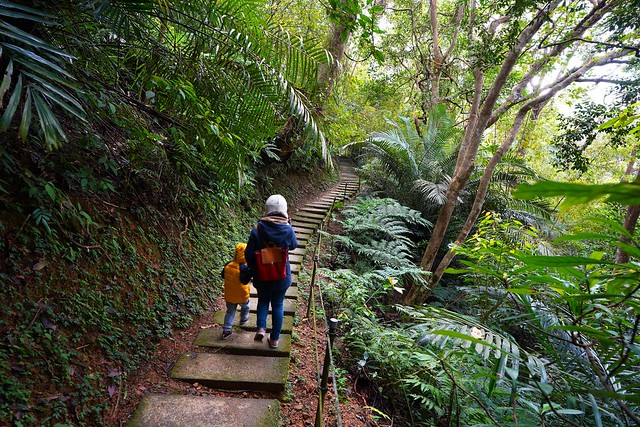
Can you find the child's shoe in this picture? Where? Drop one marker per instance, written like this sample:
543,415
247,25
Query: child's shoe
243,322
226,334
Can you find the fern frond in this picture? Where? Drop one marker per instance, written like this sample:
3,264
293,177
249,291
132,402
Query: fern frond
444,328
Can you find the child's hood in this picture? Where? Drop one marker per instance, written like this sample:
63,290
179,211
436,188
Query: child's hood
239,255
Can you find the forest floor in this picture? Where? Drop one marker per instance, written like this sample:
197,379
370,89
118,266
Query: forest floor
299,402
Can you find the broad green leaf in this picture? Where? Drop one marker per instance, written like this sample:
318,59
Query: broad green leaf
461,336
16,33
39,59
51,191
569,411
561,261
48,122
597,333
629,249
521,291
596,410
25,121
627,193
545,387
9,7
615,226
6,80
586,236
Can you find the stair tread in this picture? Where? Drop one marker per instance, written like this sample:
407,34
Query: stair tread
232,371
287,322
165,410
243,343
289,306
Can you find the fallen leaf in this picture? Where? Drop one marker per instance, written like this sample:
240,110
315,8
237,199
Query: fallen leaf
18,368
112,390
113,372
40,265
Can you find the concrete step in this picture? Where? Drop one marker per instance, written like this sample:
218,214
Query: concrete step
319,204
289,306
287,322
311,209
295,259
301,223
318,218
292,292
303,231
298,251
306,222
243,343
232,371
171,410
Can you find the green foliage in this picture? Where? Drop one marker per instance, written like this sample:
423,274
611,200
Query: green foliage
579,131
402,159
36,75
573,194
83,283
212,82
380,232
578,311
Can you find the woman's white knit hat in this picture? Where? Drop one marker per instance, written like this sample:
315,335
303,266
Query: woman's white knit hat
276,203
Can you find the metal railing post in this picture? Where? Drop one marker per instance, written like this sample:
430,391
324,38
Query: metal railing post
333,324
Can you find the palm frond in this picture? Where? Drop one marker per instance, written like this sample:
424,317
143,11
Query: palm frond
433,192
35,77
444,328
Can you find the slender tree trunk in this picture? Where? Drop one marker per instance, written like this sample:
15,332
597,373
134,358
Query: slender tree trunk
328,74
485,114
481,193
438,57
461,174
631,218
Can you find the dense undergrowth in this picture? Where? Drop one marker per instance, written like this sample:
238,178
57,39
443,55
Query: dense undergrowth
524,338
106,249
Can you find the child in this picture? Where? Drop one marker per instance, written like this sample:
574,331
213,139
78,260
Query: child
236,275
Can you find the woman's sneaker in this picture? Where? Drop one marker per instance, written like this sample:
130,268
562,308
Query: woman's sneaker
226,334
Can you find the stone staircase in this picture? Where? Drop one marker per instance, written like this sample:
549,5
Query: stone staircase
240,363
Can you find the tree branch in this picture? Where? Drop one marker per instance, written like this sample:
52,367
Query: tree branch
578,30
574,39
609,81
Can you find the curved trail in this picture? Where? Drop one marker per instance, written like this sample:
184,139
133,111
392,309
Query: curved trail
240,363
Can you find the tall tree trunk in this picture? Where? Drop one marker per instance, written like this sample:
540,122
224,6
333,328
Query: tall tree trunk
481,193
631,218
328,74
481,117
438,57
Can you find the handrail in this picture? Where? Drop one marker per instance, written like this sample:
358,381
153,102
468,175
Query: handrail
330,330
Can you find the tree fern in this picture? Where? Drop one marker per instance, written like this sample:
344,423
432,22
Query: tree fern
419,165
381,231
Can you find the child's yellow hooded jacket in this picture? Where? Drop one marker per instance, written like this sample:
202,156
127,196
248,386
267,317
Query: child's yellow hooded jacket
234,291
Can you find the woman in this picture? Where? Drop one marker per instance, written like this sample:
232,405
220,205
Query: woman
273,229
